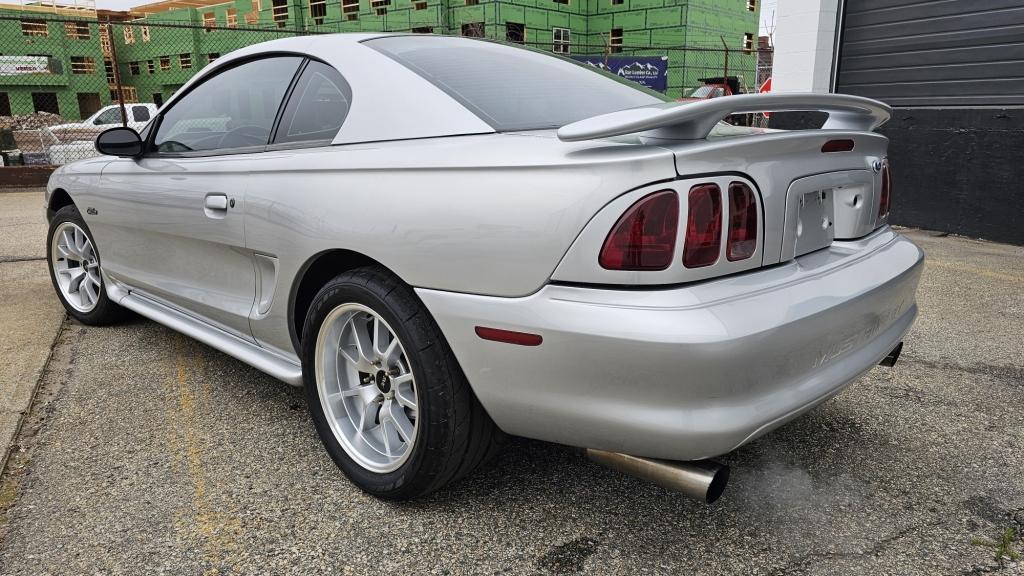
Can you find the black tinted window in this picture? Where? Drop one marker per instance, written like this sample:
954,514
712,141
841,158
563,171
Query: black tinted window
317,107
141,113
234,109
514,88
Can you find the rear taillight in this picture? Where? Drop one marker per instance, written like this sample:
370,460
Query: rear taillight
742,222
644,238
703,226
886,195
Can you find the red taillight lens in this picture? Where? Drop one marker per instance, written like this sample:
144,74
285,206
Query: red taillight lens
703,226
644,238
886,195
742,222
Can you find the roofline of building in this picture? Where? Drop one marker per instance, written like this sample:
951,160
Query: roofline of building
165,5
89,8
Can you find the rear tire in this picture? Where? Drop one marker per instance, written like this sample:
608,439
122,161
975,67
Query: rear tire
74,263
365,331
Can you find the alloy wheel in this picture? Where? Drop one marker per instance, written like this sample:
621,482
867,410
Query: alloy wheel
76,267
366,387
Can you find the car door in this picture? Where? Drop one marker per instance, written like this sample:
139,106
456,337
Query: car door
278,209
171,223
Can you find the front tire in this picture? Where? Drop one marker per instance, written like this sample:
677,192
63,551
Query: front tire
74,264
386,395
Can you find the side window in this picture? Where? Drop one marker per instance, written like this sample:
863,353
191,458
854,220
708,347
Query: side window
109,116
141,113
317,107
233,109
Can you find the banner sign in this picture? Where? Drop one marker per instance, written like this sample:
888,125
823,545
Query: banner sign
651,71
13,65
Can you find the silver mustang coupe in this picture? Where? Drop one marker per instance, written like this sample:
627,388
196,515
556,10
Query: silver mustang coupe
448,240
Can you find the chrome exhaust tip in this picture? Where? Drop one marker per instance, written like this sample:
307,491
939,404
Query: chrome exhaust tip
890,360
702,480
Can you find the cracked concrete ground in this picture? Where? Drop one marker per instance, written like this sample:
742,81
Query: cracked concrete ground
149,453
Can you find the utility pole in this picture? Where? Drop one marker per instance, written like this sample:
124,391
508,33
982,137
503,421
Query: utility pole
117,73
725,74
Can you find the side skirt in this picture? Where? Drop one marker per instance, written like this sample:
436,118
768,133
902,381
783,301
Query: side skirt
247,352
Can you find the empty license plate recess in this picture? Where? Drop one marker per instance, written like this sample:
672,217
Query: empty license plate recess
810,221
825,207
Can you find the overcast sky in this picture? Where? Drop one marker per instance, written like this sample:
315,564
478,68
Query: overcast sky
767,15
767,9
118,4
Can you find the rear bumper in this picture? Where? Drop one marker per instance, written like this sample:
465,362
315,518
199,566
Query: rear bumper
687,372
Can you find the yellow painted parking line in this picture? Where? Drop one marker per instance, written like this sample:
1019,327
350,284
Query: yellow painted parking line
218,530
975,270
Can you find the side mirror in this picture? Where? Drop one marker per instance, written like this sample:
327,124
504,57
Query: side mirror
120,141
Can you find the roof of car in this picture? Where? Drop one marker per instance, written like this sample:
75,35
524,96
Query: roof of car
381,107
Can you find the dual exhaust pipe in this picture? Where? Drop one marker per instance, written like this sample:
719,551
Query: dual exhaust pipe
702,480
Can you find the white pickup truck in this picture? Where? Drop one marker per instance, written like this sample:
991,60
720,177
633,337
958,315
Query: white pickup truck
74,141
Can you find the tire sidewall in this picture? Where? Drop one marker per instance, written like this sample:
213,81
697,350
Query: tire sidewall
389,484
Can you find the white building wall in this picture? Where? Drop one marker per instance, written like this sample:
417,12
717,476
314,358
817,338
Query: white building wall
805,34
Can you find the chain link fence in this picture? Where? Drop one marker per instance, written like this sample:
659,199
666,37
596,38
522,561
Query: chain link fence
63,80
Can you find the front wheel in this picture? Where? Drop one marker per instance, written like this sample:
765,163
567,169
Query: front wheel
74,264
387,396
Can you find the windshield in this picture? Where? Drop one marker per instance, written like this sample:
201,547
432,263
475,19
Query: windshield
514,88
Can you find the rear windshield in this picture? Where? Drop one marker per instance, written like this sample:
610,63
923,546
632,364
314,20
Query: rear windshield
514,88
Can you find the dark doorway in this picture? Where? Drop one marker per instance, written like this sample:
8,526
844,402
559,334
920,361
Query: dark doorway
515,32
158,98
88,103
5,104
473,30
45,102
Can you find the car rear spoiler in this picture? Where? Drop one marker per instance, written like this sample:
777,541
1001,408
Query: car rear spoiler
694,120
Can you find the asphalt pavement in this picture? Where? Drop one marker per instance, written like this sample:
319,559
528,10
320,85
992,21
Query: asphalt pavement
149,453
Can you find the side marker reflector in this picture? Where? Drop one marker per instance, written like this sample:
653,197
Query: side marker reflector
509,336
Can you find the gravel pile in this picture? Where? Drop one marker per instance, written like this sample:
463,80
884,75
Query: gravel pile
33,121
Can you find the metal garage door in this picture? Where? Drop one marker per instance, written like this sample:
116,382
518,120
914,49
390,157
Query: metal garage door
933,52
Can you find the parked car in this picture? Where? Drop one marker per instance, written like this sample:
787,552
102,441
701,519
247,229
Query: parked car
75,141
718,87
714,88
108,116
445,240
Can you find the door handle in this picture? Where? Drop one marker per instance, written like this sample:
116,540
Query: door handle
217,202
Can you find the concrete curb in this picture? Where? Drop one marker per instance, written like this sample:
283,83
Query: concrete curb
43,372
27,409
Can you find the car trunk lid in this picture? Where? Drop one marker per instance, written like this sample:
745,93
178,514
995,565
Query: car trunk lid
815,186
809,198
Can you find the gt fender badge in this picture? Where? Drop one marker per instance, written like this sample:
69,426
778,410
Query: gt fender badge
876,165
91,211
